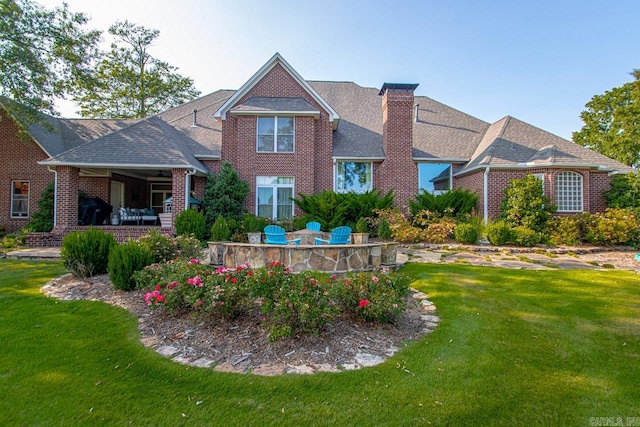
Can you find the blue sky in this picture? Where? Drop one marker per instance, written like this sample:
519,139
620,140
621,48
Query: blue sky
539,61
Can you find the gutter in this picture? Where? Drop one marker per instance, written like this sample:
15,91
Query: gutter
55,195
485,183
187,181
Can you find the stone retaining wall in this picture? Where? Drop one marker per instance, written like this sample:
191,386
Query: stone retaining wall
328,258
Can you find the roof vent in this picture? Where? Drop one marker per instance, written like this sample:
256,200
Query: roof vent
417,109
195,114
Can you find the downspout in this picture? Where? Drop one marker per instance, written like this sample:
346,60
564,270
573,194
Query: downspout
187,181
55,195
486,194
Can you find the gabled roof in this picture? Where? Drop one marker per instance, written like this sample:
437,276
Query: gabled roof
221,113
148,144
56,135
512,143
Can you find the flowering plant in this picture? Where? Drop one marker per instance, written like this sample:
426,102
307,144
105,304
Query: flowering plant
155,298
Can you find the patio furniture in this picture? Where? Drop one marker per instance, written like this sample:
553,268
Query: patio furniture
638,257
149,215
130,215
339,236
313,226
276,235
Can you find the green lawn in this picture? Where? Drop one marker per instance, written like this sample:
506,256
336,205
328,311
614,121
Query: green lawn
514,347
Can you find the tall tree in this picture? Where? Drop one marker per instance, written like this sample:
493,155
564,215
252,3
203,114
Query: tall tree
43,55
612,123
129,82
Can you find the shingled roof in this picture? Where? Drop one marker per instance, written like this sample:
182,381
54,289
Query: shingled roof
512,143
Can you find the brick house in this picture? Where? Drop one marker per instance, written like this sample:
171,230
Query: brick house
286,135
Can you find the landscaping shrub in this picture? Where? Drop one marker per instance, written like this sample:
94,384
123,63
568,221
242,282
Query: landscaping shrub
361,226
124,261
289,303
190,222
333,209
220,230
435,229
254,224
624,191
164,247
42,219
498,233
466,233
456,203
292,302
86,253
224,195
525,204
614,227
564,230
523,236
374,296
384,230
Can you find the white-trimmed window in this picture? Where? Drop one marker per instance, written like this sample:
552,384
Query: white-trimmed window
275,135
354,176
19,199
569,192
274,196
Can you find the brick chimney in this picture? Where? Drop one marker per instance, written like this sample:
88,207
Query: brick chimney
398,171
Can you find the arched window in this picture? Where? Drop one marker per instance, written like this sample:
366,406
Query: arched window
569,192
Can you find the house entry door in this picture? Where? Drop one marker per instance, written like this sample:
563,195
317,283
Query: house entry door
117,195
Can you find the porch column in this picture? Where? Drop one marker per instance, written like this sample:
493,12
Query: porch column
178,191
67,199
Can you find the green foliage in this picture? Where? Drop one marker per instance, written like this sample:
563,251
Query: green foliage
525,204
42,219
384,230
220,231
426,227
124,261
498,233
466,233
614,227
333,209
43,55
164,247
130,83
190,222
224,195
254,224
456,203
435,229
86,253
611,125
361,226
373,296
624,191
564,230
523,236
289,303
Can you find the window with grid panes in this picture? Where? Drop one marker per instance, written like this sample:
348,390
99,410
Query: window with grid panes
569,192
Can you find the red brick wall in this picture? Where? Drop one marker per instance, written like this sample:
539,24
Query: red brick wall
398,171
96,187
475,183
594,183
599,182
67,200
311,162
19,163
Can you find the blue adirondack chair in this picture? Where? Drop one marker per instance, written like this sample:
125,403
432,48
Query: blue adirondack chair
313,226
339,236
275,235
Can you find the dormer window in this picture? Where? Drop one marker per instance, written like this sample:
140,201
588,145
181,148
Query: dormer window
275,134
